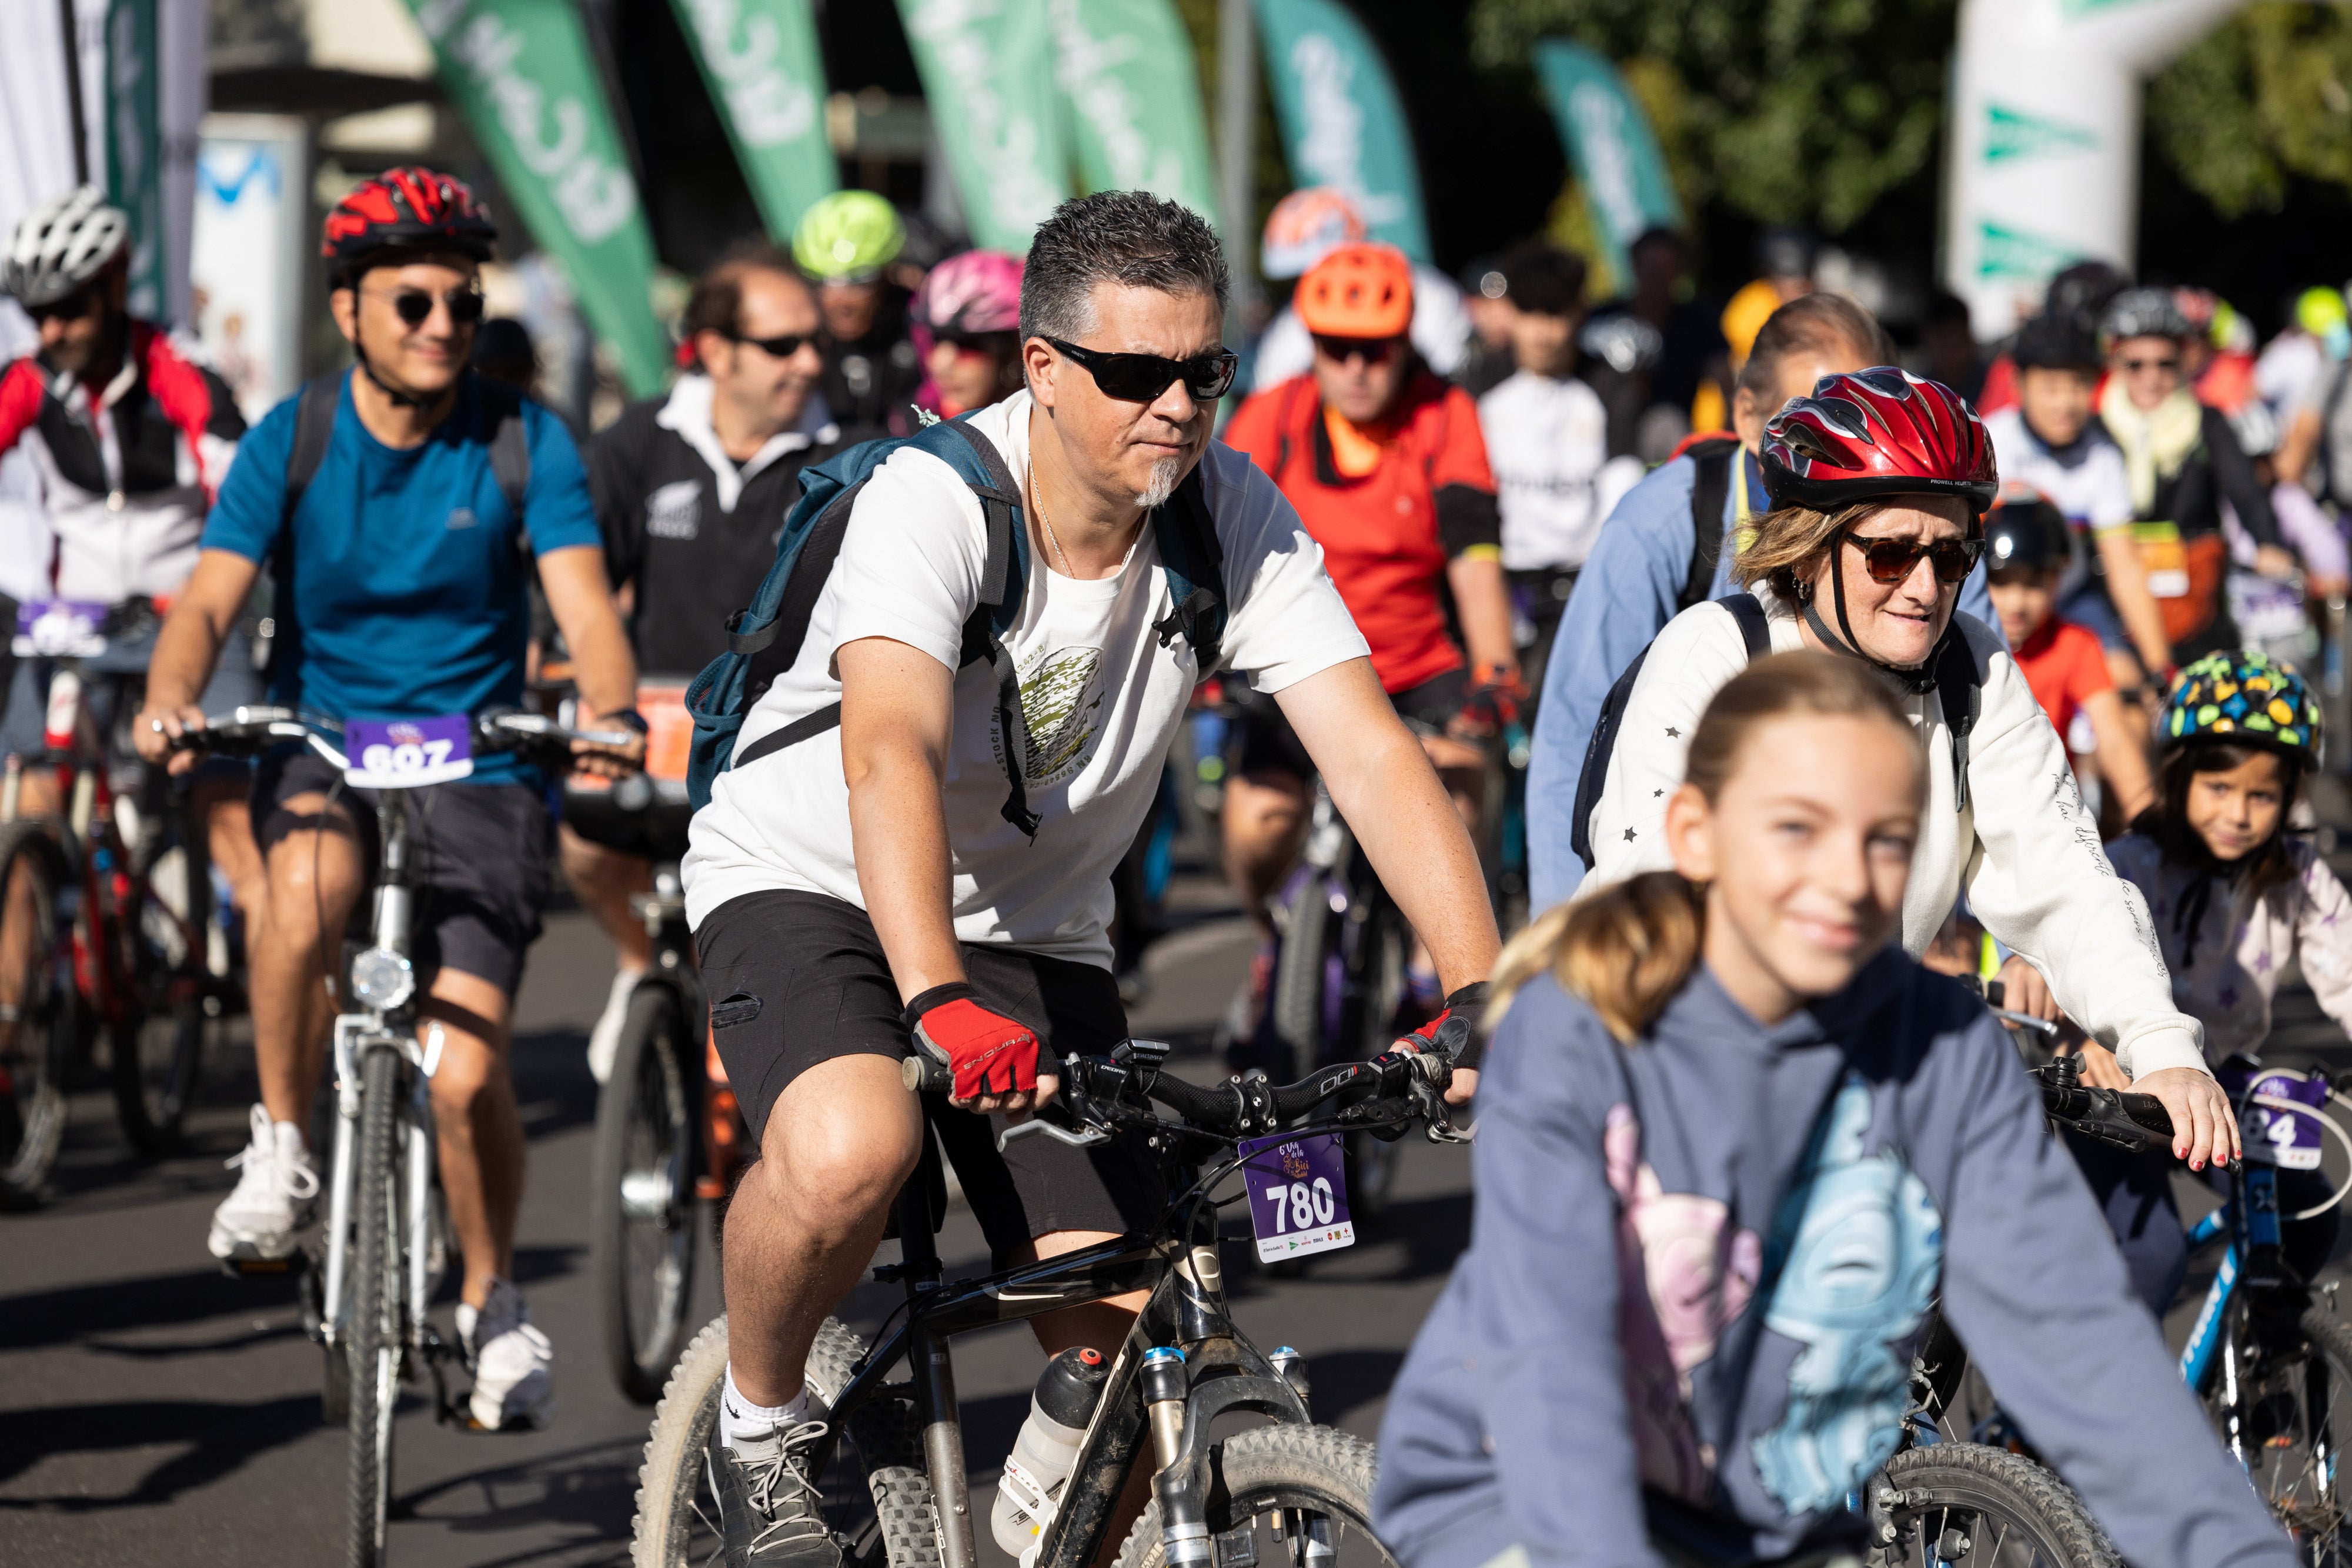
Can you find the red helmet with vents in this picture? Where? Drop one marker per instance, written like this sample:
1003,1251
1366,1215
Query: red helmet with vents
412,207
1882,431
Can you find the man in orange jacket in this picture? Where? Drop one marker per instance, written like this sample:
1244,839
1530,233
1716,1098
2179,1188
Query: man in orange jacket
1385,464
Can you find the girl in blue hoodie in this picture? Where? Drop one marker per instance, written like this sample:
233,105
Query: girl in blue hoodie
1733,1145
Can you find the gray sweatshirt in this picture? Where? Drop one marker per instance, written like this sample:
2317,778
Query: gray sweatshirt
1599,1367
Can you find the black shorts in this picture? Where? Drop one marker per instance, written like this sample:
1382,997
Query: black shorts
1262,740
481,862
798,978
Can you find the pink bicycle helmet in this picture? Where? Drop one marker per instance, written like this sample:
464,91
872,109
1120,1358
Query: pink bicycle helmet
970,294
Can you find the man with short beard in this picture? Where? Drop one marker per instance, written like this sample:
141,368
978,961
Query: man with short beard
872,881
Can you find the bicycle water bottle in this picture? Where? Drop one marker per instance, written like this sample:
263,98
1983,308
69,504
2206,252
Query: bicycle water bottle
1047,1448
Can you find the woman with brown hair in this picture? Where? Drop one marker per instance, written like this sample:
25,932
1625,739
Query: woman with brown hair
1879,481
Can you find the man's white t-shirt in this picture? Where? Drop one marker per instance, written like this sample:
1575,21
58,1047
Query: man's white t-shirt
1547,439
1101,696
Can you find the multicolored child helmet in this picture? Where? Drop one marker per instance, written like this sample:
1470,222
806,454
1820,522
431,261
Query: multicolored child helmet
2245,697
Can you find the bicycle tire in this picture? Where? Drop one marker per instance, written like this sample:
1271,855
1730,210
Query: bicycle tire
2278,1389
371,1327
901,1523
1387,949
33,1111
158,1047
2037,1523
1300,980
646,1126
1287,1471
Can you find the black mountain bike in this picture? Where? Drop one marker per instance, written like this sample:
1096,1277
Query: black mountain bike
891,1466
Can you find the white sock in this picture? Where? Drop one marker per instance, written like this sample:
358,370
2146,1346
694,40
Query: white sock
747,1427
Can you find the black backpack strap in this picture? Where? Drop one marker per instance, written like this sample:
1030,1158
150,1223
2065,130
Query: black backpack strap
1710,491
509,443
1754,630
314,427
1959,688
1188,542
1003,583
792,734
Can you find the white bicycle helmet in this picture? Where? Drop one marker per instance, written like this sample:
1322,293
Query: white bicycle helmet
62,245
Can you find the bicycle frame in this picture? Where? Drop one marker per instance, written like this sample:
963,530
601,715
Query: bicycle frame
356,1034
1186,1308
2251,1219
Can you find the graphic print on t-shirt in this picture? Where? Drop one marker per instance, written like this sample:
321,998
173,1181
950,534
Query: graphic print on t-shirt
1061,704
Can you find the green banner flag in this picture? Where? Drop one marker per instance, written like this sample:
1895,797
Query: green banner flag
1342,122
134,145
521,73
1126,68
1616,154
760,61
986,74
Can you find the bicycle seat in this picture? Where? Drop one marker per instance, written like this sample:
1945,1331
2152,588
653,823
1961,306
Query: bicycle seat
639,815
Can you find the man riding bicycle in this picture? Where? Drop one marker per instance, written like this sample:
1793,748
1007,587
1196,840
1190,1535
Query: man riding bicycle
1387,468
131,438
872,886
691,489
401,568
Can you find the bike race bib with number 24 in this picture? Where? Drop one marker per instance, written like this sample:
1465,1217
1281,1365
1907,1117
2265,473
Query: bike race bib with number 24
1297,1195
408,753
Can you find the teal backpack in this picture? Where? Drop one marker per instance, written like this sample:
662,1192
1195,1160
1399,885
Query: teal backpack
764,638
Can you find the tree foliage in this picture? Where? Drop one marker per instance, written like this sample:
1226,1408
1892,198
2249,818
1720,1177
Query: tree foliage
2267,96
1790,111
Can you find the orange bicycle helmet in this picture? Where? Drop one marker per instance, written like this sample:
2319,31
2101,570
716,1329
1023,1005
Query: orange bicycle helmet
1358,291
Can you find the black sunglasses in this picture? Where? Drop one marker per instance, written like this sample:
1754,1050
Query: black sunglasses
414,306
72,307
782,348
1892,561
1373,350
2166,364
1141,377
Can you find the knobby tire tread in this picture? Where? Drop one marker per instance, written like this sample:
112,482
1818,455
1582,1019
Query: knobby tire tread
374,1268
653,1022
1970,1475
152,977
1297,1001
1309,1461
36,1113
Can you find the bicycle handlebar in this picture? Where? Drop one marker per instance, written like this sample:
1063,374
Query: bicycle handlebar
2113,1116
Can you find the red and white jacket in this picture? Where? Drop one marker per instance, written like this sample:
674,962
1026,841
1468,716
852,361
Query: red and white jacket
127,471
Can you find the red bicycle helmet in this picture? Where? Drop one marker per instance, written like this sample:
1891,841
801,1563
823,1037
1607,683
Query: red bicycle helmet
410,207
1881,432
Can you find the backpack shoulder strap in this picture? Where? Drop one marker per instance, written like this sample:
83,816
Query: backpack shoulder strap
510,443
1193,562
314,427
1710,491
1959,689
1754,630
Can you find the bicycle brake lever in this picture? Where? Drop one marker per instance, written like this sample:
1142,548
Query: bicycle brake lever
1438,1128
1036,1125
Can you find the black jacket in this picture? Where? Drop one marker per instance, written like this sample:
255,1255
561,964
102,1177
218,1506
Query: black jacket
692,529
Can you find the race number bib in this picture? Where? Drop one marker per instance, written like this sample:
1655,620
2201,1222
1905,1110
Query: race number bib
2287,1139
60,628
409,753
1297,1195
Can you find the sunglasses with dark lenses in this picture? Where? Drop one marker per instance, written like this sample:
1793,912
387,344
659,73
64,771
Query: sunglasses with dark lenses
1373,350
782,348
415,307
1141,377
72,307
2138,365
1892,561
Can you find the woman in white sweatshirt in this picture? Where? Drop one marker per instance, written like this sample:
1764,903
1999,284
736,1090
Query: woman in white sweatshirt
1880,481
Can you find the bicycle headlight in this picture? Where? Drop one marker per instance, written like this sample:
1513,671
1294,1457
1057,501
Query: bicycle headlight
382,979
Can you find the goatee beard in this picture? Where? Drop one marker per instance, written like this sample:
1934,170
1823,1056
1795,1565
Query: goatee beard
1164,475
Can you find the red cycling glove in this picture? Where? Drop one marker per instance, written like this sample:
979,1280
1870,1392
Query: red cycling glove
1455,1029
991,1054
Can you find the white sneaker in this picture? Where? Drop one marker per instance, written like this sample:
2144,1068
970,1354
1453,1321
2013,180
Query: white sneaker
273,1195
606,1038
513,1363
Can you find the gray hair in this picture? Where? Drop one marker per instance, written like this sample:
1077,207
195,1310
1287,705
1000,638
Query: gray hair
1129,237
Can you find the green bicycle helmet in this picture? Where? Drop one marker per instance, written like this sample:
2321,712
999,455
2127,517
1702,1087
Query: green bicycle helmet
2245,697
848,237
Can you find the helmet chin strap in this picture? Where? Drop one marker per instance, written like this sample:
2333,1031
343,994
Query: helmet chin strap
1915,680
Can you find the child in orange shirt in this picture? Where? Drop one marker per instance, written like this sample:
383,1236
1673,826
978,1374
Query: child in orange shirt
2027,543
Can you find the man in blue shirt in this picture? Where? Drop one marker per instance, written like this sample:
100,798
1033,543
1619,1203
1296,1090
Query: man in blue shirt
400,567
1637,577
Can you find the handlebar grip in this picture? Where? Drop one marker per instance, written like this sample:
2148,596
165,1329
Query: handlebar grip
2147,1110
925,1074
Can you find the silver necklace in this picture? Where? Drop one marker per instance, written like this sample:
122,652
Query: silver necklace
1037,499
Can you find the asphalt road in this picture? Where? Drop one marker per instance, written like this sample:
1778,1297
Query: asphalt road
154,1410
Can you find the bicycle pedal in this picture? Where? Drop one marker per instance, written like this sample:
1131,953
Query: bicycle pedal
263,1268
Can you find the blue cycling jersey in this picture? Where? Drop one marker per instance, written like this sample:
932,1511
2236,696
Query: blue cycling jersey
400,578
